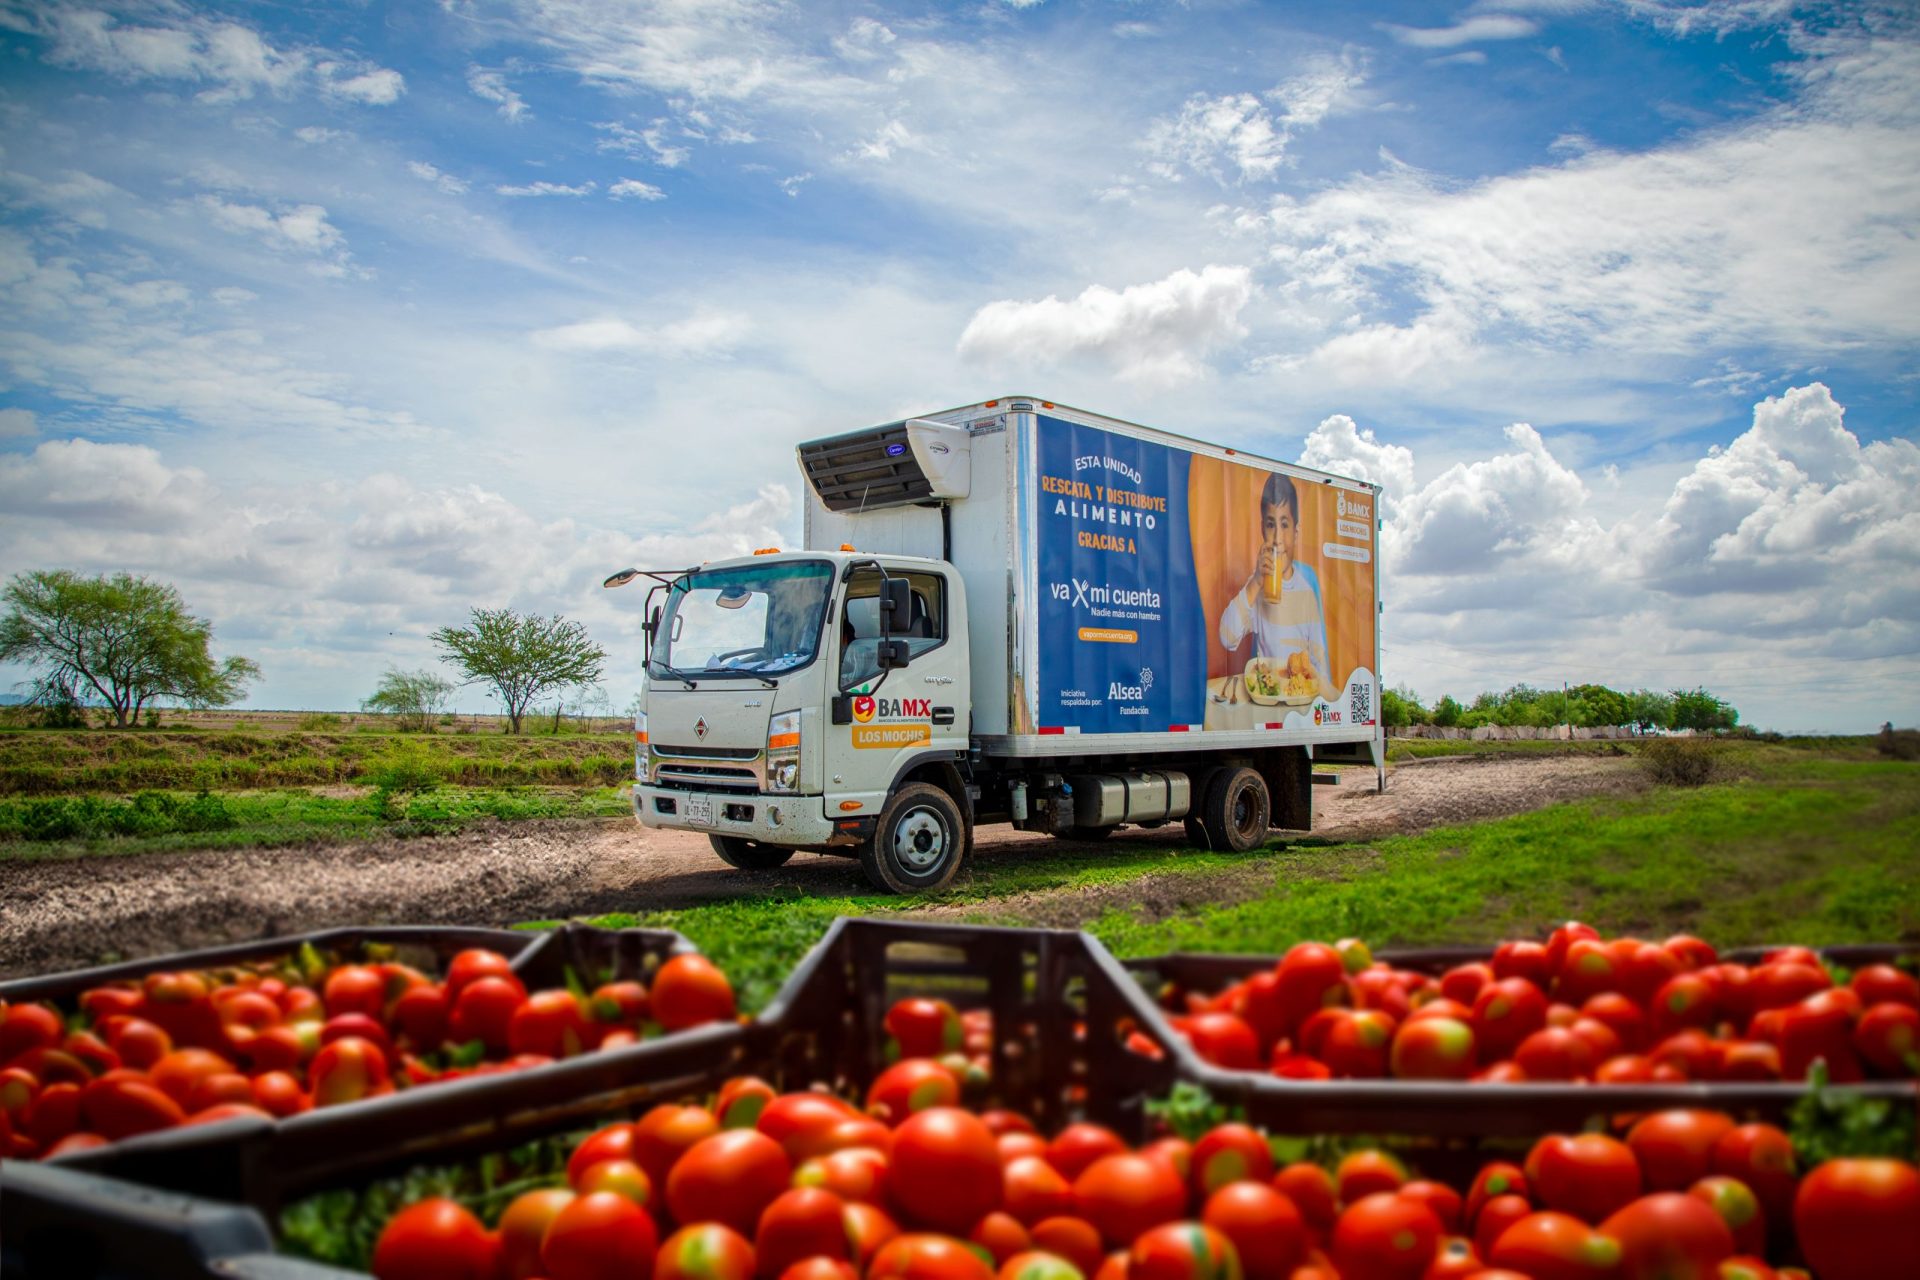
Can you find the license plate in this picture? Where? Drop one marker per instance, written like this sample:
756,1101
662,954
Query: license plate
700,809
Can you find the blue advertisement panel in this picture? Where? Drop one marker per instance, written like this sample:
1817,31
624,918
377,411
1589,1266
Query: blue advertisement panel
1123,642
1187,592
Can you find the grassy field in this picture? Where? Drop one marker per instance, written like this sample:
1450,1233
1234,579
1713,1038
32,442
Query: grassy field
1794,846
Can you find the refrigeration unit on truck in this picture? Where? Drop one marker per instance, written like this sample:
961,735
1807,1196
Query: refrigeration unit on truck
1015,612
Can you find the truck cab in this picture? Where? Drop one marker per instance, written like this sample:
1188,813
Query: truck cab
792,695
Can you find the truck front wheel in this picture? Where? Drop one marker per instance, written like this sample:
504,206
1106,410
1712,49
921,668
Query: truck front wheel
919,842
749,855
1233,816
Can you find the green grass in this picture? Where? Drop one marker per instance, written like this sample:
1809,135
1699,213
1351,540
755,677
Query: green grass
81,761
64,826
1791,848
1853,748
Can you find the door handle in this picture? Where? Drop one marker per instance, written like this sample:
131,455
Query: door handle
943,715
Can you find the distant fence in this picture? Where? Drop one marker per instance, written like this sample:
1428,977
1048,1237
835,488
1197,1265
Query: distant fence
1528,733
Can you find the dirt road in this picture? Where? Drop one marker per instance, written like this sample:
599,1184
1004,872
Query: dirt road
65,914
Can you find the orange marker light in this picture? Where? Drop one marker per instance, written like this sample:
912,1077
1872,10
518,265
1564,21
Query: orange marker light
782,741
640,736
848,806
848,546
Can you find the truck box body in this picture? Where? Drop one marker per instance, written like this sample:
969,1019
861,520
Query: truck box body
1106,568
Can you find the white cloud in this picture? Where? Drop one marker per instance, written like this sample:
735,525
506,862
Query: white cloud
893,136
492,86
377,86
169,43
315,135
1326,86
546,189
634,189
792,183
864,40
649,143
18,423
1233,128
444,181
302,227
702,334
1155,334
1492,26
1340,446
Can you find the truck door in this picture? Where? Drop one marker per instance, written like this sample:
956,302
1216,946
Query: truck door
914,713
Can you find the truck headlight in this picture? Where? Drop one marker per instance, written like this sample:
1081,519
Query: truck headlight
783,752
640,747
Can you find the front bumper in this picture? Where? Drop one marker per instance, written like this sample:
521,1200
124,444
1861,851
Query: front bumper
770,819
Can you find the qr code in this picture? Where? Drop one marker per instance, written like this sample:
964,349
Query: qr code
1360,704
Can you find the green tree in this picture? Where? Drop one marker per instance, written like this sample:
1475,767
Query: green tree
1595,705
1700,711
413,698
1446,712
521,656
1650,709
124,638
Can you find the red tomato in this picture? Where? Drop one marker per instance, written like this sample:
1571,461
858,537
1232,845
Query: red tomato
1356,1047
1183,1251
347,1071
1738,1207
1433,1048
120,1105
1692,952
946,1169
1888,1037
1174,1152
55,1113
138,1042
101,1003
707,1251
435,1239
1688,1000
1126,1194
524,1224
1762,1157
730,1178
1556,1246
1884,984
1562,939
690,990
1225,1041
909,1086
470,966
1504,1014
868,1230
420,1016
924,1028
1002,1235
1589,1175
802,1123
1265,1227
1313,1192
1529,960
1675,1148
1621,1015
1035,1265
1385,1237
1746,1267
91,1050
1362,1173
622,1003
1776,985
1032,1189
28,1026
1820,1027
1463,982
1074,1239
1747,1060
1669,1236
181,1003
1590,967
622,1177
805,1222
1230,1153
1455,1259
484,1009
355,988
1855,1218
222,1087
1013,1145
550,1023
1495,1216
1442,1199
180,1072
283,1048
1311,976
820,1269
1001,1122
1496,1179
278,1093
369,1029
927,1257
741,1100
1556,1053
857,1173
604,1236
614,1142
667,1132
1692,1052
1079,1145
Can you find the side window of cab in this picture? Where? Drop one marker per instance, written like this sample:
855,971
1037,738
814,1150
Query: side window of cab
860,622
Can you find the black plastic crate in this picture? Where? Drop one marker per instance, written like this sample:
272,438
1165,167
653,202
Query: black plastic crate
1443,1110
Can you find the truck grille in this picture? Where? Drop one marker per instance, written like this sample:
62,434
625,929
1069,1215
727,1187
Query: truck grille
741,769
857,472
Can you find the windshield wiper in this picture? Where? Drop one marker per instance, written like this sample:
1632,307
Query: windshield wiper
669,671
768,682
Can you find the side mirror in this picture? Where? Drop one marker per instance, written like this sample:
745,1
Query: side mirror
892,654
652,624
896,607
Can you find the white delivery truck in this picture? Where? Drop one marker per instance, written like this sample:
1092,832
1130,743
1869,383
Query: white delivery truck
1015,612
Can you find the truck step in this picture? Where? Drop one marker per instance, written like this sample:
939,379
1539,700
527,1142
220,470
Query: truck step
1326,779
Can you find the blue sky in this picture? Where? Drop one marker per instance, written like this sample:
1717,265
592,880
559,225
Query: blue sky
345,318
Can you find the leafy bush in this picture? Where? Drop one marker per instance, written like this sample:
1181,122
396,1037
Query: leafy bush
1679,762
1898,744
151,813
406,768
319,722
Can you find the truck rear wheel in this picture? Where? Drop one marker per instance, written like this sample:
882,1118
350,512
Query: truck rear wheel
919,842
749,855
1234,814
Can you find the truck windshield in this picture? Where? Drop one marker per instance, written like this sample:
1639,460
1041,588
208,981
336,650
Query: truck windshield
754,619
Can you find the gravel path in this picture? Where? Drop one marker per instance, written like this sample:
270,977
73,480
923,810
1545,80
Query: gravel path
65,914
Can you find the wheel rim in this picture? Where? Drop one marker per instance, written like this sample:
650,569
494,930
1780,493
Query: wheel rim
920,840
1243,811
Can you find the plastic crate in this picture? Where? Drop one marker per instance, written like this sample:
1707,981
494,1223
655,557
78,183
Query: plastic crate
1455,1111
1063,1011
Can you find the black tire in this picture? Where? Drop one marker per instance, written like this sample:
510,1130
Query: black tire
749,855
1087,834
918,844
1235,812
